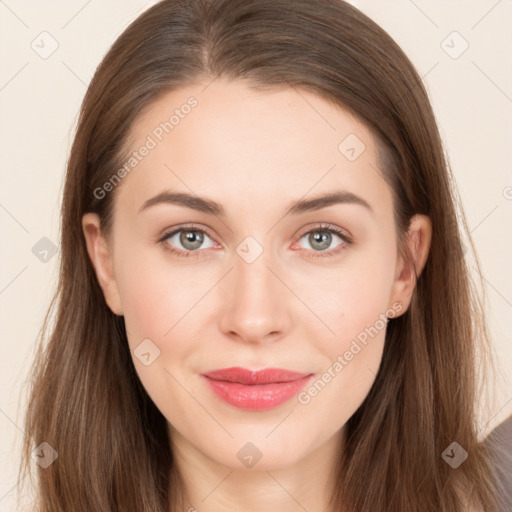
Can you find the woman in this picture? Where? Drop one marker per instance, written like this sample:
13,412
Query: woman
263,300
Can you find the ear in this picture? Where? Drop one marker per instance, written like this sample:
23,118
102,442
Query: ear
419,236
101,257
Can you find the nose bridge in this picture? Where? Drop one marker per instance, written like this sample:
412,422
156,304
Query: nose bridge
257,304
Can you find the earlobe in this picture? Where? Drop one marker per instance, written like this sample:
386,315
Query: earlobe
418,241
101,259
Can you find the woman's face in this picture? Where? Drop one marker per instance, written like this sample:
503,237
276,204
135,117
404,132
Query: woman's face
257,278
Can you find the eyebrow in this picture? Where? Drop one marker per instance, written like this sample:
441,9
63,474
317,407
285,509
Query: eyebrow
211,207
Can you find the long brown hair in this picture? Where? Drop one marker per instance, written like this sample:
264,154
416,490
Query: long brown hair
86,400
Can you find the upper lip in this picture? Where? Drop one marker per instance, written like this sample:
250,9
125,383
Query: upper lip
245,376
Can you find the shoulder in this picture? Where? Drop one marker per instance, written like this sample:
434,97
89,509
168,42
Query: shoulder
499,443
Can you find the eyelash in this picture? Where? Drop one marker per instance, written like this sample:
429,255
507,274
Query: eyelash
347,241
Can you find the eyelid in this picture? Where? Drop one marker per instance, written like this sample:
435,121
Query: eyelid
325,226
182,227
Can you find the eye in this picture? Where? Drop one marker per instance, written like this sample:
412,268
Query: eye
321,238
186,240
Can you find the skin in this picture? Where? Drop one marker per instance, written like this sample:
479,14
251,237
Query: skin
254,152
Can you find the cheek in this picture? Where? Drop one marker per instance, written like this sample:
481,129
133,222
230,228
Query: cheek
146,307
352,296
352,355
353,303
158,305
157,295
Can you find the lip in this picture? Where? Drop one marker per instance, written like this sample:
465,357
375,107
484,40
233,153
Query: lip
255,390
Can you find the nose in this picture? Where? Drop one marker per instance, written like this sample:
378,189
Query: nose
255,309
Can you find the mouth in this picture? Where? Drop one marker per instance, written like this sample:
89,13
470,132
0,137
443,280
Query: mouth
255,390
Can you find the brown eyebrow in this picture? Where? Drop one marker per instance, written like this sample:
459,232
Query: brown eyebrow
210,207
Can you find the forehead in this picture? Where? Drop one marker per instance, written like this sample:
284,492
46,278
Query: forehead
250,147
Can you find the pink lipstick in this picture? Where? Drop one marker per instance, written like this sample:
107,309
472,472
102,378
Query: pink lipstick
256,390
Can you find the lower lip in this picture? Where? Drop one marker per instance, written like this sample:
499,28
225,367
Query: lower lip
257,397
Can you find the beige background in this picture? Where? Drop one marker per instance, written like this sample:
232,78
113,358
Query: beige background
39,100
